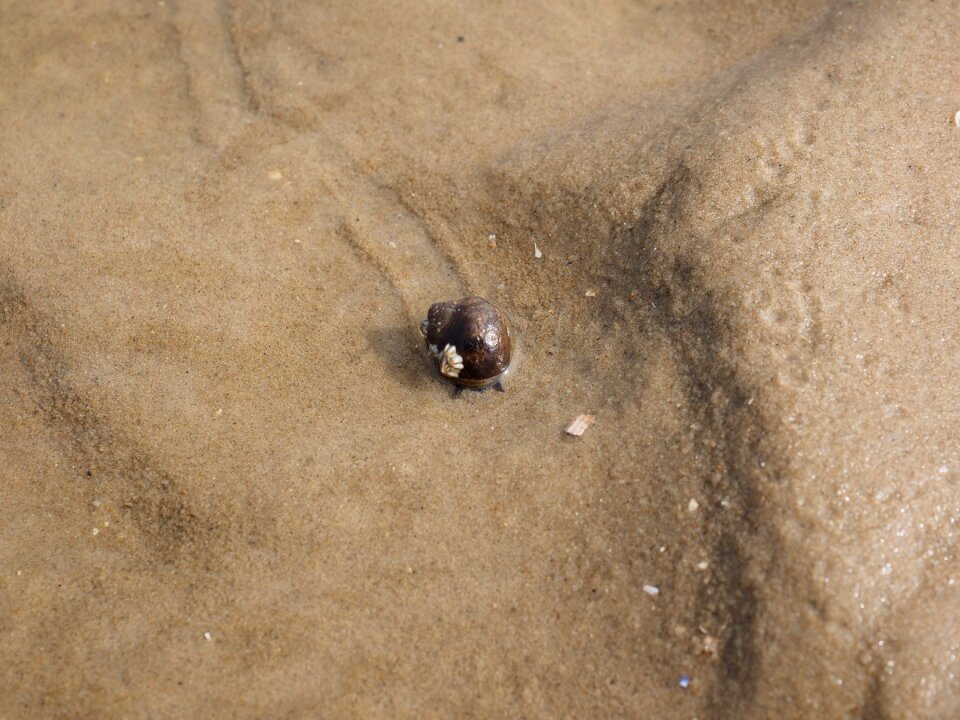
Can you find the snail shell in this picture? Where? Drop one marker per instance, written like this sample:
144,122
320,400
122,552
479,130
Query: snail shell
470,339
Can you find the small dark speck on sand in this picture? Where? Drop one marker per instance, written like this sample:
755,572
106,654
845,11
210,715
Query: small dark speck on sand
460,38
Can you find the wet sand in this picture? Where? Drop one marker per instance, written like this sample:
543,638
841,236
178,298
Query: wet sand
234,486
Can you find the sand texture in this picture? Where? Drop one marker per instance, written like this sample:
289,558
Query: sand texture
233,486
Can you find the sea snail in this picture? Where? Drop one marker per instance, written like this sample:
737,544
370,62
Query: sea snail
470,340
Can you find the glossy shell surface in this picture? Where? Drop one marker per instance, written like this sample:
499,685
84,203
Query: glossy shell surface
470,339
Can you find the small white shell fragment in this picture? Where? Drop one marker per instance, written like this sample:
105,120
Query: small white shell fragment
275,175
693,505
651,590
207,636
711,646
703,565
536,251
591,293
956,119
579,425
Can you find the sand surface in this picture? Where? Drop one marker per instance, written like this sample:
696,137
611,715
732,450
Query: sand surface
233,486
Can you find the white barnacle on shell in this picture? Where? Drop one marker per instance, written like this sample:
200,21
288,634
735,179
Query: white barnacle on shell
451,363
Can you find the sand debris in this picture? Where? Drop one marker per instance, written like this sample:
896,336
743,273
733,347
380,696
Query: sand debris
536,251
591,293
651,590
579,425
693,505
709,647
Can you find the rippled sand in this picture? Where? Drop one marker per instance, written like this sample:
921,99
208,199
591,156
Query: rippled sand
233,486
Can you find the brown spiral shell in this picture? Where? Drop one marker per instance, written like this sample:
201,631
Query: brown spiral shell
470,339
